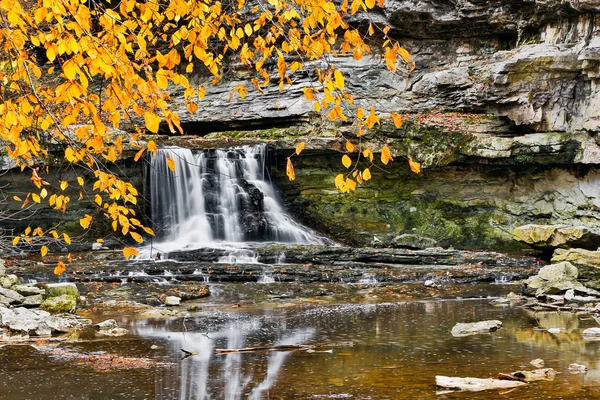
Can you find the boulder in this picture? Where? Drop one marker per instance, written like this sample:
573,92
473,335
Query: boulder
33,301
411,241
105,325
8,281
60,289
172,301
474,328
23,320
13,296
550,237
60,304
563,270
27,290
66,323
587,262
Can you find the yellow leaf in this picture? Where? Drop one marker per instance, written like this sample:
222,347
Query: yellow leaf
67,238
317,106
51,53
152,146
397,118
349,146
360,113
366,175
63,185
299,147
100,240
367,153
98,199
44,251
60,268
80,180
171,164
201,92
44,193
248,29
404,54
16,240
339,181
69,69
350,184
85,221
70,154
130,251
338,80
137,237
386,155
289,170
371,30
414,166
372,119
152,121
35,197
17,198
346,161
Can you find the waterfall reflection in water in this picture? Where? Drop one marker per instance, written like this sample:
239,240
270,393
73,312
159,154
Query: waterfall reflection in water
198,373
217,197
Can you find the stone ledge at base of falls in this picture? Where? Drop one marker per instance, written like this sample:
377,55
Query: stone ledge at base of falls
308,264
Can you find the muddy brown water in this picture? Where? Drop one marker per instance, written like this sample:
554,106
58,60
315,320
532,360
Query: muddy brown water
398,349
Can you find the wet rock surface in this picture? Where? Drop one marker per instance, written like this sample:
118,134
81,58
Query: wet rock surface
476,328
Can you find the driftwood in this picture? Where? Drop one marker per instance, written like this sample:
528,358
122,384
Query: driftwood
283,347
542,374
476,384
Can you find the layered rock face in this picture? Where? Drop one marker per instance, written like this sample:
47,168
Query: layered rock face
502,110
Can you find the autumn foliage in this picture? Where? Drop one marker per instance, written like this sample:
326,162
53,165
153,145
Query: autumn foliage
75,71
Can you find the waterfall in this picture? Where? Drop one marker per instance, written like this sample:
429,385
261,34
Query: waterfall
218,196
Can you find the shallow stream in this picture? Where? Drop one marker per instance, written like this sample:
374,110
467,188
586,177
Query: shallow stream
376,350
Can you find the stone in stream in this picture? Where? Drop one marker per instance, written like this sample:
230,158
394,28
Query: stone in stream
60,289
8,281
592,332
60,304
475,328
27,290
172,301
577,368
66,323
476,384
33,301
538,363
13,296
563,270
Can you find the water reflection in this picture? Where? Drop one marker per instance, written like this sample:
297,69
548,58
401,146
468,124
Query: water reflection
395,352
230,376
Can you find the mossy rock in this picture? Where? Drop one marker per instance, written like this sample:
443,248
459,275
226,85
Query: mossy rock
60,289
60,304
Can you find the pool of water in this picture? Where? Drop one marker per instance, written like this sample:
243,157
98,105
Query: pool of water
397,350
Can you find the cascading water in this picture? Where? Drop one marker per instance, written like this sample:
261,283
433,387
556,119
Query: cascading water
218,196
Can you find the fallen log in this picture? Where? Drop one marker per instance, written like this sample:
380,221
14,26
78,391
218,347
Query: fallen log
283,347
476,384
542,374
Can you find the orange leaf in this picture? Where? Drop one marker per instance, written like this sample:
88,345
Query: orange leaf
299,147
414,166
289,170
386,155
397,118
349,146
60,268
171,164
